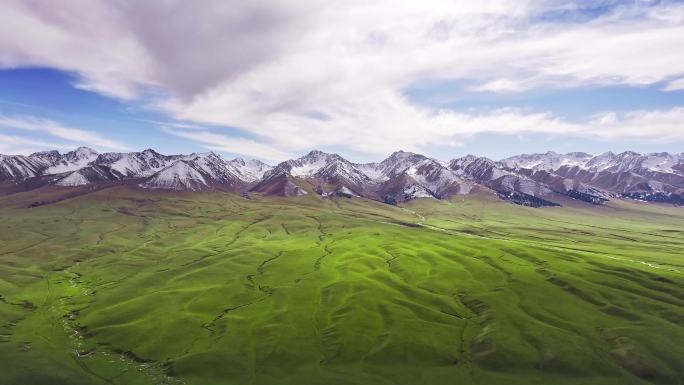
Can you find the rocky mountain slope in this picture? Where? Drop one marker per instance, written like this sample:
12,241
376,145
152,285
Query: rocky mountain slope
546,179
328,173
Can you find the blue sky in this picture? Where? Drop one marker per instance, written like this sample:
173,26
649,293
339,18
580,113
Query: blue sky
50,94
274,80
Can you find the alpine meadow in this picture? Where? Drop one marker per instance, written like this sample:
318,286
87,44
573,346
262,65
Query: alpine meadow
124,287
319,192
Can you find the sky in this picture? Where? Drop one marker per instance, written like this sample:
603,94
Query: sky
274,79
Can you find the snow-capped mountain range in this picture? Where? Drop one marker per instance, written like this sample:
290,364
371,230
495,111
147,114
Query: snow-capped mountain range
547,179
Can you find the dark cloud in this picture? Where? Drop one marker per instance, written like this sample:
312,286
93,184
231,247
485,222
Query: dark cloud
196,45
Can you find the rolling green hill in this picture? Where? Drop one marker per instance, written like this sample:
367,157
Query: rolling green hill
127,287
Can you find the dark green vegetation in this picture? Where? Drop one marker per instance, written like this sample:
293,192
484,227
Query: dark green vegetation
129,287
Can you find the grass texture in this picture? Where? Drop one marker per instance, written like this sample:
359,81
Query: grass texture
129,287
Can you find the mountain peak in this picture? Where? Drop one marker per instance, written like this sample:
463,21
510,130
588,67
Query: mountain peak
47,152
661,154
316,152
628,153
180,175
401,176
85,151
49,157
81,153
204,155
316,155
72,160
207,153
310,163
149,151
249,171
404,156
578,154
401,154
547,161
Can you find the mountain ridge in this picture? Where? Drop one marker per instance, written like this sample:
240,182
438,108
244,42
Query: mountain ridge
540,179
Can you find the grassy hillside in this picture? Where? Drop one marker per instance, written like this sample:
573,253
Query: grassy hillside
128,287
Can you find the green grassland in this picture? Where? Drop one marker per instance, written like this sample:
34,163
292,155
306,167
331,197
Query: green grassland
127,287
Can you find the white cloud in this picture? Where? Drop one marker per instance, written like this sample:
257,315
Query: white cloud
655,125
11,144
224,143
307,74
674,85
501,85
55,129
661,126
422,128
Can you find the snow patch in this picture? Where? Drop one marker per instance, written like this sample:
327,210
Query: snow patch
178,176
73,160
72,180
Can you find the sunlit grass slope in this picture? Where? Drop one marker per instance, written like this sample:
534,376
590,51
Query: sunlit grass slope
129,287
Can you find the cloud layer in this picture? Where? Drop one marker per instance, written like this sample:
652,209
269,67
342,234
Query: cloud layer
295,75
17,144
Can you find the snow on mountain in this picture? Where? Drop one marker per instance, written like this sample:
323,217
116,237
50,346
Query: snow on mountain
600,162
48,158
509,185
214,166
631,172
134,164
75,178
251,170
529,179
608,161
548,161
202,171
346,192
372,170
656,176
91,174
566,186
437,178
311,163
416,191
19,167
524,185
341,171
292,189
477,168
401,188
663,162
181,175
73,160
395,164
149,162
323,169
320,165
406,176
